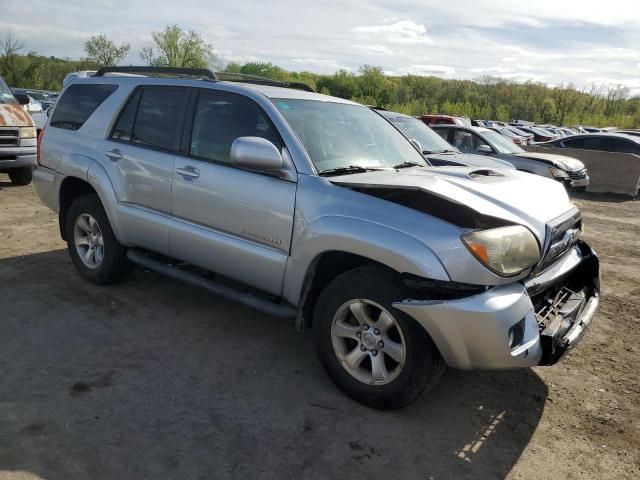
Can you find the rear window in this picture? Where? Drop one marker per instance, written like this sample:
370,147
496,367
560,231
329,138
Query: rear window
153,117
78,103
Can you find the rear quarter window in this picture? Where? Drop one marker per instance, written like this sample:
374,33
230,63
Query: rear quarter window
78,103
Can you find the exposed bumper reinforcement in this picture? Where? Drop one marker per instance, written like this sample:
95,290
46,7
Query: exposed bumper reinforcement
551,311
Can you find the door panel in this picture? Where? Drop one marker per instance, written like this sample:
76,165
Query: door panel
234,222
139,159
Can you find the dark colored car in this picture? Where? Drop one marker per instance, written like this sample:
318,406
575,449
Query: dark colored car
436,150
539,134
483,141
445,120
605,142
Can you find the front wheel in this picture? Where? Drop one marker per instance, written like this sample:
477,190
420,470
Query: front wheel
374,353
21,176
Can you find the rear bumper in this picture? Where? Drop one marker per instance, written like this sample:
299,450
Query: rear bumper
545,317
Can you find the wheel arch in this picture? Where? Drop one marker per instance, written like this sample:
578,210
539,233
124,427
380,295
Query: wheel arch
321,271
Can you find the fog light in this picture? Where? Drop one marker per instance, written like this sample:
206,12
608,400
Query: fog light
516,334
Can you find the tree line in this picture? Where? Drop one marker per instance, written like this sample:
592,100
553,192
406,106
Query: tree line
485,97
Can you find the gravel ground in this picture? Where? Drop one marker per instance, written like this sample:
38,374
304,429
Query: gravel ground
154,379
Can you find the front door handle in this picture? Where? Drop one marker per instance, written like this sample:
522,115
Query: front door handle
114,155
188,172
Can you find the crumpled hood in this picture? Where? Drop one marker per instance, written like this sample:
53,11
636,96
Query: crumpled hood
561,161
13,115
514,196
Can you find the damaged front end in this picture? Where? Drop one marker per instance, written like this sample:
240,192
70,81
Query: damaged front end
565,302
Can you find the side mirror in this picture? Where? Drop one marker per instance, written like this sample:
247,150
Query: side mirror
484,149
255,153
23,98
416,144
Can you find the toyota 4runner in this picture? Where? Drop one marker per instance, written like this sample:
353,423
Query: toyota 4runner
317,208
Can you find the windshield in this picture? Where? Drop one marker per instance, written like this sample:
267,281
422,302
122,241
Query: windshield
5,93
415,129
501,144
339,135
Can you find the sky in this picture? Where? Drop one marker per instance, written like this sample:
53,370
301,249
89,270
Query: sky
554,41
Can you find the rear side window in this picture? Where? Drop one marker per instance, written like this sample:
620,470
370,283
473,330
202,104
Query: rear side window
78,103
153,117
626,146
574,143
219,120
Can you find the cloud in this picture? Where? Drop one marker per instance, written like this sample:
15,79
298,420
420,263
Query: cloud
490,70
558,42
376,49
404,31
424,70
322,63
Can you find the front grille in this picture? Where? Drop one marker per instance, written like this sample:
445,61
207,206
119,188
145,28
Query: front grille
578,175
564,233
9,137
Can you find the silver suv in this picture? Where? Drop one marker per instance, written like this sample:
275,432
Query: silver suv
317,208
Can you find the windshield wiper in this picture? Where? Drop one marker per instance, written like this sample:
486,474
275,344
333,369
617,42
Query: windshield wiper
446,150
348,170
409,164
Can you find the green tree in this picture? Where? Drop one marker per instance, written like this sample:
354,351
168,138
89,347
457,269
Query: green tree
175,47
103,52
9,50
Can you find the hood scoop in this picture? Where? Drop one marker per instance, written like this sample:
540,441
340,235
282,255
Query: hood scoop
483,173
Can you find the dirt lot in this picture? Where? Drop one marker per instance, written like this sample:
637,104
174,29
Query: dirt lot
153,379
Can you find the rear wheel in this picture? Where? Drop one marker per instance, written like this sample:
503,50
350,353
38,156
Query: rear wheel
374,353
93,247
21,176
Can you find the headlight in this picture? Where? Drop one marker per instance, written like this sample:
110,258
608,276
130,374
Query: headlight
27,132
558,173
506,251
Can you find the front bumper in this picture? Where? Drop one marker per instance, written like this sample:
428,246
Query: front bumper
551,312
16,157
579,182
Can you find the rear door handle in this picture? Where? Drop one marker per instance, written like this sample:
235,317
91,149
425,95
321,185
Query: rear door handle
188,172
114,155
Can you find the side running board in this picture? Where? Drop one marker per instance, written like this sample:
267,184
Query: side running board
247,299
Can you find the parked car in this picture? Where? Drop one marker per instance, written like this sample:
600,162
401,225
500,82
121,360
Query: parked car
569,171
528,136
437,151
445,119
328,215
41,97
539,134
507,133
606,142
17,137
33,106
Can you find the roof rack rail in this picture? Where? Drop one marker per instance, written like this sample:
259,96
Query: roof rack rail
187,72
206,74
244,78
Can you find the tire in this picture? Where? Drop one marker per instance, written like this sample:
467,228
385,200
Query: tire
108,264
21,176
373,290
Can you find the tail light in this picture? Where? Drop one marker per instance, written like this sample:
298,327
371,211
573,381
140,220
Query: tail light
39,143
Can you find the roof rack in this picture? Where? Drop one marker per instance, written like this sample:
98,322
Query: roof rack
187,72
244,78
206,74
